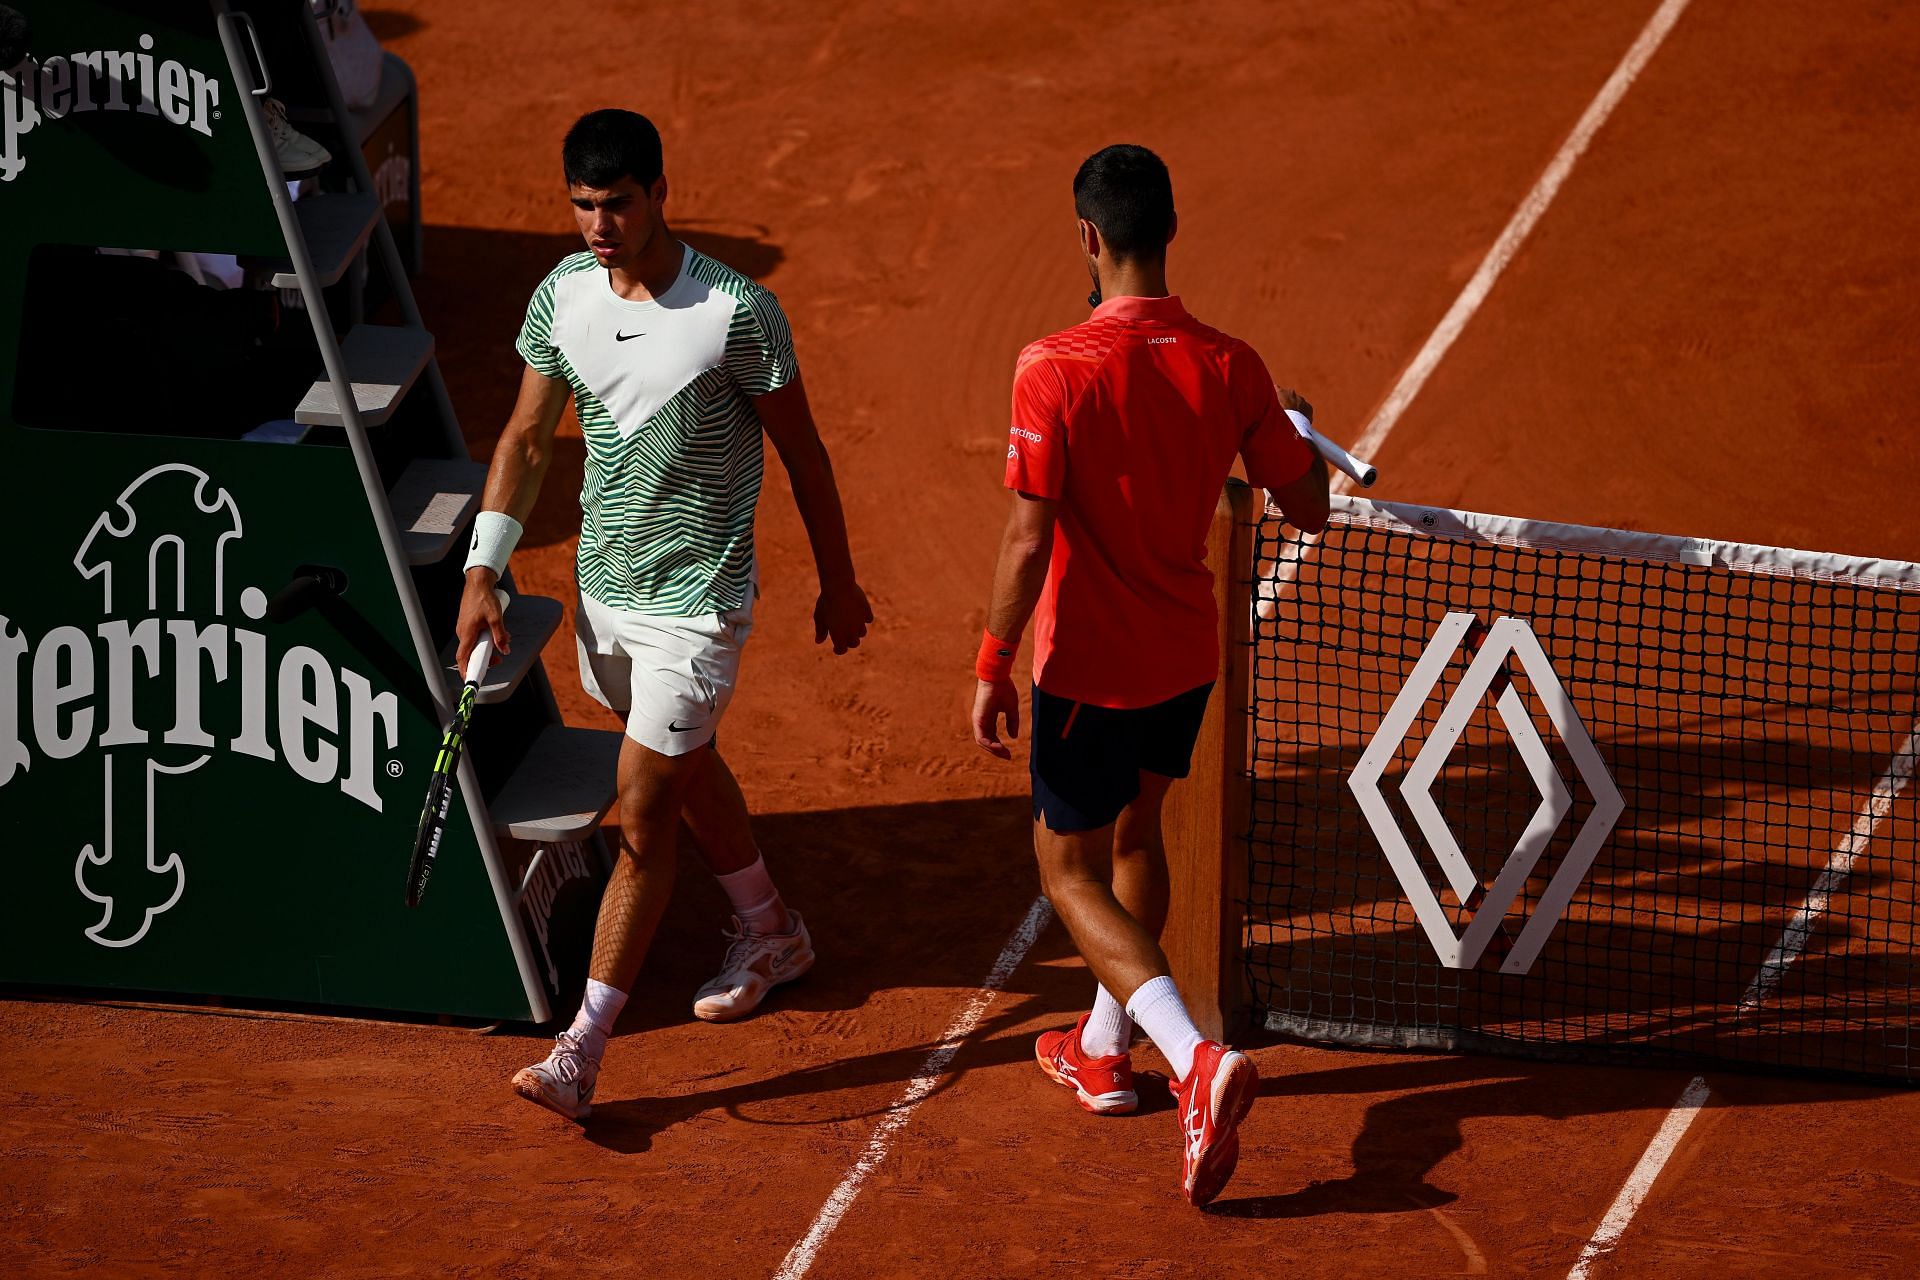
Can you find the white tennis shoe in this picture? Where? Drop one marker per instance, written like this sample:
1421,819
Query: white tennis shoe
298,154
564,1082
755,965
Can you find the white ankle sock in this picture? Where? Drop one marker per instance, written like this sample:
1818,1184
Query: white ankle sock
1157,1007
1107,1029
598,1012
754,898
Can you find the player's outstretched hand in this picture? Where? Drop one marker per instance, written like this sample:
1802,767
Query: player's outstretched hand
479,611
843,613
992,700
1291,399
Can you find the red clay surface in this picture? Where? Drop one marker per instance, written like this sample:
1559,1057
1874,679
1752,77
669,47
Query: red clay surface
1710,333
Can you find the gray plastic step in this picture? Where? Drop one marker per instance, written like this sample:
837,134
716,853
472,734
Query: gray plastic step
396,82
383,362
562,789
531,622
432,503
336,227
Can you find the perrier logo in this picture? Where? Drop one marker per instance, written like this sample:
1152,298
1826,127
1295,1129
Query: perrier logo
158,556
134,80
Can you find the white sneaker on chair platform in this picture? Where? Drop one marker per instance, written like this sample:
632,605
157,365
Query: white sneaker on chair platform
297,152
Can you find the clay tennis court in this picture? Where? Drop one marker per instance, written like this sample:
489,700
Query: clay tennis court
1709,332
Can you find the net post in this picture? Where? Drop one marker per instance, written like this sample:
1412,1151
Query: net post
1205,815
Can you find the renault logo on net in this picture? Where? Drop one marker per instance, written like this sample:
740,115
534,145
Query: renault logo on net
1507,637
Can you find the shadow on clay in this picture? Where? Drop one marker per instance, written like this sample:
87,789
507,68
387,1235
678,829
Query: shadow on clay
1407,1134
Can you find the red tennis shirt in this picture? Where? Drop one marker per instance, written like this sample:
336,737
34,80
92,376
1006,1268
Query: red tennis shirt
1131,421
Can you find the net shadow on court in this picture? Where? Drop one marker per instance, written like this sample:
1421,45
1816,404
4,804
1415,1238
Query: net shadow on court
1753,709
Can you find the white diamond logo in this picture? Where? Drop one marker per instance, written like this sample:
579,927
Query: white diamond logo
1507,637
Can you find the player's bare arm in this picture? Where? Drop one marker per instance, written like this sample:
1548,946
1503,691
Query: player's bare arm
1018,578
513,483
842,612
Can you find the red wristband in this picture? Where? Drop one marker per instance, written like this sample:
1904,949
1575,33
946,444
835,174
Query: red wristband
996,657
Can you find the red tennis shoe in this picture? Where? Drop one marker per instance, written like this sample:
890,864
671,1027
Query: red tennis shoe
1103,1085
1213,1100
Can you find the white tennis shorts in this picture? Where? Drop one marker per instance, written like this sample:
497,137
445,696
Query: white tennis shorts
671,677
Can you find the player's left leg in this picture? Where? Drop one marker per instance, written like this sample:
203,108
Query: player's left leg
1140,885
1076,873
768,943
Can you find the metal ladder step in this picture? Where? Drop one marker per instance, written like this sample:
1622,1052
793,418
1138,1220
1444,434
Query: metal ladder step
432,502
531,622
562,789
383,362
335,227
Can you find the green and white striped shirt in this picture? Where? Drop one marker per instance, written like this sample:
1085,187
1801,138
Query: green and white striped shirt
663,392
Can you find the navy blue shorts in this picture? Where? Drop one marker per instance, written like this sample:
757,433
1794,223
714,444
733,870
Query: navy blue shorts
1086,760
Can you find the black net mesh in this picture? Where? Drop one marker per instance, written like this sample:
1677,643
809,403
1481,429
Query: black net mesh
1755,900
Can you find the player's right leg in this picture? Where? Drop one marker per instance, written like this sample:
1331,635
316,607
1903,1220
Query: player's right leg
637,667
652,789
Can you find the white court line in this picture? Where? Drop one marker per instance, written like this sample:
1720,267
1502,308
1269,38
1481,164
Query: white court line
1640,1181
1515,235
801,1256
1794,940
1518,228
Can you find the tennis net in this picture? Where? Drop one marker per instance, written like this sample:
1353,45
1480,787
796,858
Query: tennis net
1576,792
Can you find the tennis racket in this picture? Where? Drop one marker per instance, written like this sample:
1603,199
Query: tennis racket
1362,473
433,817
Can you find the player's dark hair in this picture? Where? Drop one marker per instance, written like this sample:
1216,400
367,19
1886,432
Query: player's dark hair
608,145
1124,190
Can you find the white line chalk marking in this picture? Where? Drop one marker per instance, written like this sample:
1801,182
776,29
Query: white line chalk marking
1518,229
1640,1181
1794,940
801,1256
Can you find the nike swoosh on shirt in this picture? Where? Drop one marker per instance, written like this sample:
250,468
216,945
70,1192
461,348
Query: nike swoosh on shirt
674,726
627,337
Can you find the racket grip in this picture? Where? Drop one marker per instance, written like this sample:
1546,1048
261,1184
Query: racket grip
480,659
1362,473
482,656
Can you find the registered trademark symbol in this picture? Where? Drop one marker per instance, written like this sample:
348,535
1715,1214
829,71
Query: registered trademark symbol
216,115
395,768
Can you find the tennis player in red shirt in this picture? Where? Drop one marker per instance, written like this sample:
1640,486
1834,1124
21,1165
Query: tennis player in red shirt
1125,429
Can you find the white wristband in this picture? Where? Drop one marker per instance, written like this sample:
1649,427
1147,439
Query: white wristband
494,535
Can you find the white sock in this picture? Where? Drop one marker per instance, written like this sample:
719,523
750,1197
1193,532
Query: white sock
1157,1007
754,899
1107,1029
598,1012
